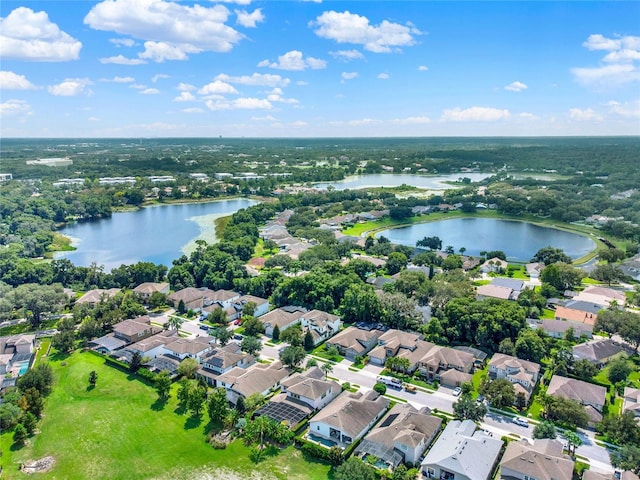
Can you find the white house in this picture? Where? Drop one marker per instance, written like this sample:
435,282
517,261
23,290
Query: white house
258,378
322,325
311,388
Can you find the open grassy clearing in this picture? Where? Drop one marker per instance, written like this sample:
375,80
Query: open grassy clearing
120,431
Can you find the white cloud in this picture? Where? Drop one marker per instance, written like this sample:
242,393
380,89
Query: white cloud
607,76
346,27
516,87
423,68
15,107
138,86
171,30
298,123
627,109
158,76
475,114
185,97
125,42
27,35
249,20
118,80
356,123
347,55
276,96
294,60
239,104
122,60
266,118
383,76
13,81
348,75
528,116
149,91
411,121
217,87
93,119
302,83
185,87
71,87
256,79
193,110
583,115
623,62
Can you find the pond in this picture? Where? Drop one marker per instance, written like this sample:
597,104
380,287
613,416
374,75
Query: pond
433,182
157,234
518,240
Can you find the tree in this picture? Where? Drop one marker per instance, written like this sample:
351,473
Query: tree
36,300
500,392
626,458
64,341
308,340
544,430
223,335
584,369
32,401
218,317
93,378
30,422
197,396
621,429
549,255
292,336
275,335
240,406
252,326
19,434
182,308
251,345
611,255
39,378
157,300
622,322
380,388
218,405
174,322
353,469
608,273
163,384
360,303
249,309
573,441
136,362
467,408
292,356
432,243
327,368
565,410
530,346
399,311
396,261
562,276
619,369
188,367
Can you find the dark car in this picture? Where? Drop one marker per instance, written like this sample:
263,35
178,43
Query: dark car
237,336
480,399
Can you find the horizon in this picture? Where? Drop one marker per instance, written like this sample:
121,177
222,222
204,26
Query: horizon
313,69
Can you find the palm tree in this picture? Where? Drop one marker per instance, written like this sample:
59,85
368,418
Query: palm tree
573,440
327,368
174,322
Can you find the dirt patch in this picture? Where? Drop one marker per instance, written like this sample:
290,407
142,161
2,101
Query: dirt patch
38,466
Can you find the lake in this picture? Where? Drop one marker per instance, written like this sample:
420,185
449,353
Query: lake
518,240
157,234
429,182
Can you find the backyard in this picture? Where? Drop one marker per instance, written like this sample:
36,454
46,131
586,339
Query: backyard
119,430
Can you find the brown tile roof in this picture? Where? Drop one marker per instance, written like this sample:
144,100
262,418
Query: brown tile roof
542,460
570,314
280,317
150,287
352,412
578,390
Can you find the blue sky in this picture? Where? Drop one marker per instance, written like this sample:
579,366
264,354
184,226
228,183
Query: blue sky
160,68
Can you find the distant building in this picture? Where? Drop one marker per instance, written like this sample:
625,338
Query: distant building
5,177
51,162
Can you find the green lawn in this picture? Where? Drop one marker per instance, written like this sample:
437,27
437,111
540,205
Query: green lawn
119,431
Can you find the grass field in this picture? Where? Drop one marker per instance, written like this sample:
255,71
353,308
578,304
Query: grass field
120,431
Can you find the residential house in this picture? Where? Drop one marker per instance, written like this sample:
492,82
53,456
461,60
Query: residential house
631,268
598,352
632,401
534,269
153,346
390,343
462,453
145,290
283,318
578,311
224,298
402,435
496,291
523,374
191,297
348,417
258,378
134,330
220,360
352,341
322,325
593,475
512,283
182,348
95,296
311,387
602,296
262,304
438,359
543,460
593,397
16,355
494,265
558,328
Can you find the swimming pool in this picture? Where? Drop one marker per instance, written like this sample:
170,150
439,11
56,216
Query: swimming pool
23,369
321,440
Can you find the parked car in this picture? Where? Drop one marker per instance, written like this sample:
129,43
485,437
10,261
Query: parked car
204,327
523,422
457,391
410,388
237,336
480,399
238,322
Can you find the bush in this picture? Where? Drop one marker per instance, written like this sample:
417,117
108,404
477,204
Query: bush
147,375
346,386
381,388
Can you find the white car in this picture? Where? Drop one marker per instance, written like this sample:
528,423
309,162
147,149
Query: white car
457,391
523,422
